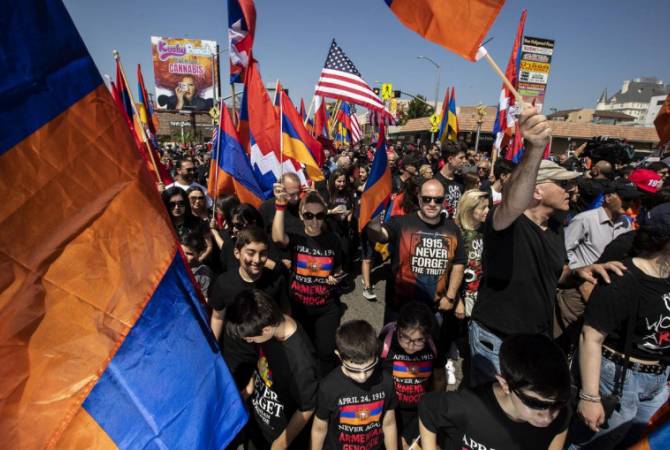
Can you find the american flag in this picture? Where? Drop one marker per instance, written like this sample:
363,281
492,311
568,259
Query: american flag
341,80
356,132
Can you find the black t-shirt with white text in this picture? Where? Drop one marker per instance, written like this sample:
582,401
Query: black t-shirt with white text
412,374
611,305
314,259
472,419
521,266
453,191
355,411
285,381
422,255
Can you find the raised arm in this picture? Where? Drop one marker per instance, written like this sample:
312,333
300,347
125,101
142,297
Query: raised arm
281,200
518,192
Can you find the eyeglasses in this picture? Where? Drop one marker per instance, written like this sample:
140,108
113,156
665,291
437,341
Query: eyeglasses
536,403
179,204
197,198
359,370
418,342
312,216
566,185
428,199
191,170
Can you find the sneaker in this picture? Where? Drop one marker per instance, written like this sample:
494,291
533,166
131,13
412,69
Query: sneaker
451,372
369,294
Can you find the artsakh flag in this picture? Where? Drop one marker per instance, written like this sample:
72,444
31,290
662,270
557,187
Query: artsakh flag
241,30
378,189
105,343
458,25
361,413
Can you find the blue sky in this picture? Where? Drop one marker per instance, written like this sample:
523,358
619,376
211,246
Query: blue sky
599,43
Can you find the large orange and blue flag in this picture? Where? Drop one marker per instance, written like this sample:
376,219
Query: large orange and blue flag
297,143
377,191
105,343
233,165
458,25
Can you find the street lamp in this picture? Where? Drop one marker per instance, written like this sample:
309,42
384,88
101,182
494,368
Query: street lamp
437,88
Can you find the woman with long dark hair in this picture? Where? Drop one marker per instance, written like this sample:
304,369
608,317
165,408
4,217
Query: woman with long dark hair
183,221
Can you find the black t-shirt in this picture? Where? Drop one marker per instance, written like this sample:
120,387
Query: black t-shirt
284,382
292,222
239,354
412,374
355,411
521,266
313,260
472,419
422,255
611,305
453,190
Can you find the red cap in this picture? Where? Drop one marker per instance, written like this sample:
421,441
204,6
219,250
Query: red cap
646,180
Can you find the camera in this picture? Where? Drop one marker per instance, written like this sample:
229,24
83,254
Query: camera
615,151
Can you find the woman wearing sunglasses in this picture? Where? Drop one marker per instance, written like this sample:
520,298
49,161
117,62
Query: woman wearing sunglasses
183,220
316,259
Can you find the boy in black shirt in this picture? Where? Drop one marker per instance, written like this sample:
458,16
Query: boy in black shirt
356,406
283,389
251,250
526,408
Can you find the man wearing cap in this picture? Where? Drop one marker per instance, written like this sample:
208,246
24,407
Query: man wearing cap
586,237
524,253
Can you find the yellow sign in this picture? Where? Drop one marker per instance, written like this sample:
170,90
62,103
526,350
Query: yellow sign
387,91
532,66
394,106
435,120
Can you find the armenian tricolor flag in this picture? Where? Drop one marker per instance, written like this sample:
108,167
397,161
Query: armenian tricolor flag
412,369
314,266
362,413
105,343
377,191
297,143
452,119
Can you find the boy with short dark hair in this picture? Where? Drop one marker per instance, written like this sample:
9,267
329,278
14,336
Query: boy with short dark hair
356,405
193,245
251,250
526,408
283,388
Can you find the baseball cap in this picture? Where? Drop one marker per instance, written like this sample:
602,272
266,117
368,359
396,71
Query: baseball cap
656,220
626,189
550,171
646,180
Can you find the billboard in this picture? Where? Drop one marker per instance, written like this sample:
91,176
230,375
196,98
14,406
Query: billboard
185,72
534,68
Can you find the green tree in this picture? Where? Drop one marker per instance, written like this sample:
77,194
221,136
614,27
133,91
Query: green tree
418,107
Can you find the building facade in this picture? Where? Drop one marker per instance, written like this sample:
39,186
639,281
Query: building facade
634,98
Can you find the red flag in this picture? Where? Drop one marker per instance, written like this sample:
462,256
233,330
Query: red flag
320,117
662,122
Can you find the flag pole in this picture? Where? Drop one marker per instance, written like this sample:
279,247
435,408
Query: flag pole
281,132
500,73
218,153
117,57
333,119
235,117
309,111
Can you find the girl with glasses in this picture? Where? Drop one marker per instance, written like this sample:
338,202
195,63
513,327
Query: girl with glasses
316,259
183,220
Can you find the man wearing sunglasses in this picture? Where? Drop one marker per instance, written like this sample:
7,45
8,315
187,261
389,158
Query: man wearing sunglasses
427,255
185,178
525,408
524,257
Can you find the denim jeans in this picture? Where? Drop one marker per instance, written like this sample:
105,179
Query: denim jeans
643,395
484,350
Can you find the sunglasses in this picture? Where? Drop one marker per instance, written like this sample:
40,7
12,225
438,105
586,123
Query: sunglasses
535,403
436,200
566,185
312,216
361,370
180,204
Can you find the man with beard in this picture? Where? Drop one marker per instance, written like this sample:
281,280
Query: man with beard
185,178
